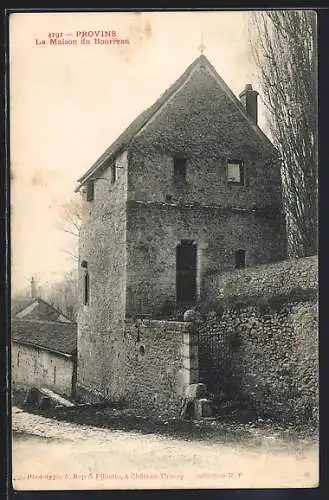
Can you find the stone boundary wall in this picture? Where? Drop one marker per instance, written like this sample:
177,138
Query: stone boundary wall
267,280
268,351
161,359
158,360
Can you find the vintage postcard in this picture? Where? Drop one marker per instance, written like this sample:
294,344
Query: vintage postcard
164,303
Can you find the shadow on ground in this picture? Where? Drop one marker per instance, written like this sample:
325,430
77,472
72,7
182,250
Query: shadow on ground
233,426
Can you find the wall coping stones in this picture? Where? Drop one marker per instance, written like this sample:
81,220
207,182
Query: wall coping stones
290,278
303,262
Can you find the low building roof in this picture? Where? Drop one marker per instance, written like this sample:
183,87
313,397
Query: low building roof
53,336
36,309
18,305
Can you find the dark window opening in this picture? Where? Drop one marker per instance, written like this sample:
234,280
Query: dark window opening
90,190
235,172
86,289
240,259
168,198
54,374
113,173
180,168
186,258
142,350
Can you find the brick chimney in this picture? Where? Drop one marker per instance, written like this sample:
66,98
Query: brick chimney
248,97
33,289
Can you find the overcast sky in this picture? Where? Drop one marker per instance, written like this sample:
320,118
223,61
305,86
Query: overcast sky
68,103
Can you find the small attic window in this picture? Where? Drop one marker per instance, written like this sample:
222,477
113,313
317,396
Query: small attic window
180,163
235,172
90,190
113,173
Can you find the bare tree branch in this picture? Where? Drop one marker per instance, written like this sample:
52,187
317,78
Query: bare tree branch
283,44
70,219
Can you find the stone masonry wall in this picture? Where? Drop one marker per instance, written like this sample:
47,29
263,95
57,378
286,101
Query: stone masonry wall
153,232
35,367
201,123
263,280
101,322
160,361
269,339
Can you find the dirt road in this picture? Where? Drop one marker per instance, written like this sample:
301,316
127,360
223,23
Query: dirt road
58,455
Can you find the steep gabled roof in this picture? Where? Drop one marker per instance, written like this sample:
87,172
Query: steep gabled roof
129,134
18,305
51,335
37,309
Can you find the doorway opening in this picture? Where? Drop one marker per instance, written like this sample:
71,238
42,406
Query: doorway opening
186,272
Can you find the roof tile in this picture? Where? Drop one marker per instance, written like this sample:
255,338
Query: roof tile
52,335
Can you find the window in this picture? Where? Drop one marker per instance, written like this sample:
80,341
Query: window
90,190
113,173
54,374
142,350
180,168
235,172
84,265
86,289
240,259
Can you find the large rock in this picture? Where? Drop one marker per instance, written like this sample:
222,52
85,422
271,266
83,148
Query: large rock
190,316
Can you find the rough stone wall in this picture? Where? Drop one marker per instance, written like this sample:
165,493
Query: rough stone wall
270,353
101,323
263,280
153,232
203,124
33,367
160,361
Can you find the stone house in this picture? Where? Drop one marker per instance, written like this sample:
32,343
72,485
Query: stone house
43,355
192,187
43,347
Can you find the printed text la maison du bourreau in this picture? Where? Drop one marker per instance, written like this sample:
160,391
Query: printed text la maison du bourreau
83,37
